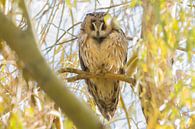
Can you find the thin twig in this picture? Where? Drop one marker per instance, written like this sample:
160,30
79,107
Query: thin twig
125,110
116,5
66,41
68,30
57,41
189,5
129,38
185,50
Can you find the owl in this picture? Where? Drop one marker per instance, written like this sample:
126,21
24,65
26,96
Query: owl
102,49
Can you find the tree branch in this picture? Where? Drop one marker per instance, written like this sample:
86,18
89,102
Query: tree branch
24,44
85,75
185,50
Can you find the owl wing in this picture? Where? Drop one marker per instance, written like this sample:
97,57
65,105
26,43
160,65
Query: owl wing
83,67
118,48
81,39
122,70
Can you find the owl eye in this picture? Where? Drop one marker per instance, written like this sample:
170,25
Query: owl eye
92,27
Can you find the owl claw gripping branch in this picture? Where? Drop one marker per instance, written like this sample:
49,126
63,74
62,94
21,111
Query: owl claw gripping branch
102,47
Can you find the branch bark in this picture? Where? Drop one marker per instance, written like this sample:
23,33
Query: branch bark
86,75
24,44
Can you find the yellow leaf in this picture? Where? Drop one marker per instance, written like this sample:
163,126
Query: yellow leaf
108,19
71,3
160,75
191,122
178,86
135,3
29,112
15,122
2,2
132,64
175,25
186,98
69,124
1,105
193,82
144,67
165,127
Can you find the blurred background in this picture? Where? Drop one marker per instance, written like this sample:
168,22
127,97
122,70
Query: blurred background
161,38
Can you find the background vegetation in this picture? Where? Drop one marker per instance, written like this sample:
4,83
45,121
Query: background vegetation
161,38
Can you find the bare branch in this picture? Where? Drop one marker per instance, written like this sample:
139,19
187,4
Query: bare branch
56,44
129,38
86,75
116,5
185,50
189,5
125,110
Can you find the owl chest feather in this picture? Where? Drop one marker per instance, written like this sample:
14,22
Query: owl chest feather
107,56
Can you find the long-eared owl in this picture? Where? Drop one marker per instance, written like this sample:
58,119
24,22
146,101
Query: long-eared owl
102,49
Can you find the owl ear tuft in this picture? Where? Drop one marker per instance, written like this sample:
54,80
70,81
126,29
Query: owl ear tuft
90,14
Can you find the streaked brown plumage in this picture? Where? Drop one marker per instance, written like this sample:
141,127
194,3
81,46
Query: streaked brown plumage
102,49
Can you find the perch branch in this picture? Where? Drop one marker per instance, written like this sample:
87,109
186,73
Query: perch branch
85,75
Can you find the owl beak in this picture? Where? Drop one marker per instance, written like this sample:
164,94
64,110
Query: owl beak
98,33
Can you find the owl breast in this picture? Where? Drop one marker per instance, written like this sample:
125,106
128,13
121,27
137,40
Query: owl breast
107,56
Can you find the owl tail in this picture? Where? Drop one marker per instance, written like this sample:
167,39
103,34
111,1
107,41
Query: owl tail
107,114
106,101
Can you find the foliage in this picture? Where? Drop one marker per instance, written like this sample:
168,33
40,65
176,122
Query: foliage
162,61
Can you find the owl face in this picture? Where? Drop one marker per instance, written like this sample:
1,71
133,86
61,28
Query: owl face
95,25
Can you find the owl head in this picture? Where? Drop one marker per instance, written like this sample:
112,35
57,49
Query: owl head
98,25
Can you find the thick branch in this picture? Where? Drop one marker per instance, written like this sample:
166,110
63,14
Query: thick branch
86,75
24,44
